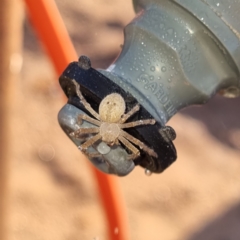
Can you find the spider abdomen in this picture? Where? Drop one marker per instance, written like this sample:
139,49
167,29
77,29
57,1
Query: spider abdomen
109,132
111,108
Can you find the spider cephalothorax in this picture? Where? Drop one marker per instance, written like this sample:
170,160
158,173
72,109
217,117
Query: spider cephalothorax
110,122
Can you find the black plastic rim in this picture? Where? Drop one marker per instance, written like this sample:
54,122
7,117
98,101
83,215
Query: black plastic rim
95,86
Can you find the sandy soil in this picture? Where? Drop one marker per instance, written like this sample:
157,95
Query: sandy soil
53,195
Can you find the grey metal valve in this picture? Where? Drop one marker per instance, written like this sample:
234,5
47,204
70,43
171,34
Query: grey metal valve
179,53
175,54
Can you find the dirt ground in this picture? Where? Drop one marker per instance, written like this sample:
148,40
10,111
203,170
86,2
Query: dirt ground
52,192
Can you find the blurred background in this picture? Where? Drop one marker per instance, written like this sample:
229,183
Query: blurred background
51,192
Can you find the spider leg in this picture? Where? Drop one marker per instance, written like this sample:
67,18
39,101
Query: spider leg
84,102
93,154
138,143
134,150
116,142
89,142
125,117
88,119
138,123
81,131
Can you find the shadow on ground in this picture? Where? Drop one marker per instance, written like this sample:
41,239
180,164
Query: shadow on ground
221,116
226,227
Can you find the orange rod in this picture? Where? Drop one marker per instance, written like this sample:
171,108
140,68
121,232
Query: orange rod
51,30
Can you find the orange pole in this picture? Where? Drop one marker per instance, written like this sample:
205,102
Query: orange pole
53,34
5,76
11,20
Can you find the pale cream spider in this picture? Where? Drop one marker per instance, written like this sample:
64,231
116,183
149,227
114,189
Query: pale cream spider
110,121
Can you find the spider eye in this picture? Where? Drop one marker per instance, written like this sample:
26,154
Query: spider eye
107,102
114,104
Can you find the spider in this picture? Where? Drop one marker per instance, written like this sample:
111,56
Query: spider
110,122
